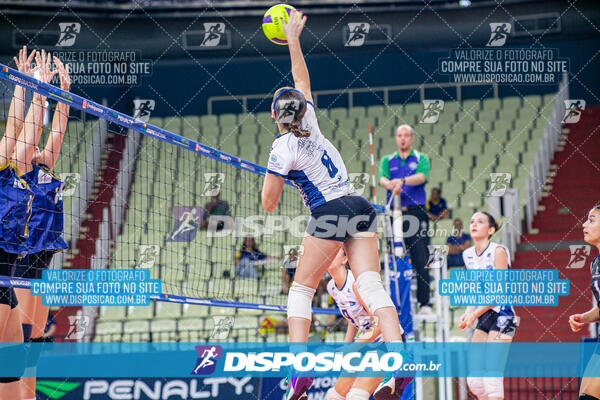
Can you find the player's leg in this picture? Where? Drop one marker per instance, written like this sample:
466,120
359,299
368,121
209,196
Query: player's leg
363,257
33,351
40,317
33,313
363,387
590,382
26,308
10,387
476,384
341,388
4,309
494,385
313,262
590,388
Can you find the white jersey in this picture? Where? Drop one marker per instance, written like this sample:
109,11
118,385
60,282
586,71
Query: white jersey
312,163
485,260
348,303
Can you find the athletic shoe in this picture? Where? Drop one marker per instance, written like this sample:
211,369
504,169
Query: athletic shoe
391,388
297,386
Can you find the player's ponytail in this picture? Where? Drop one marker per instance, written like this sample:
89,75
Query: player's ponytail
492,222
289,106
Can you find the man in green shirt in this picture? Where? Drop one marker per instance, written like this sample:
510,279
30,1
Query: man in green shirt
405,172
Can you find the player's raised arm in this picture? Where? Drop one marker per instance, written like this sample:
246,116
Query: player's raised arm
32,128
292,30
59,121
16,111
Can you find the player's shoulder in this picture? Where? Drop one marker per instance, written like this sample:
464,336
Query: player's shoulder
331,289
48,171
285,141
349,279
495,247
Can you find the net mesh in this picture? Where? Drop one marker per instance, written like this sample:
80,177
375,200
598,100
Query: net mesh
187,217
168,226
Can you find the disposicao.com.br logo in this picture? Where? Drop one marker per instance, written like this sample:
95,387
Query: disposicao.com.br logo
319,362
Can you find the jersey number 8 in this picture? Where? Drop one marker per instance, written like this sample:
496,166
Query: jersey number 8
326,160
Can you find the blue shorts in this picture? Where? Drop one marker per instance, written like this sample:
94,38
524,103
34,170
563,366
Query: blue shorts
342,218
7,294
32,265
493,321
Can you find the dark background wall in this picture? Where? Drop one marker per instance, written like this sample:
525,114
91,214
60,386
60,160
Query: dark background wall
183,79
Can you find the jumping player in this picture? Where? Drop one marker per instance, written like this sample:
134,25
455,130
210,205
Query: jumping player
342,288
590,385
45,229
303,155
495,324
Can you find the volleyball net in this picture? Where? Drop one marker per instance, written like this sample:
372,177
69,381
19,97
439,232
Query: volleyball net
138,196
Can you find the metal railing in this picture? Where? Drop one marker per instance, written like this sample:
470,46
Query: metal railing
509,204
545,153
350,92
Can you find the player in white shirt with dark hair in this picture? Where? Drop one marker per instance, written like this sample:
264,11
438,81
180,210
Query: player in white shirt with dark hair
494,323
339,216
342,288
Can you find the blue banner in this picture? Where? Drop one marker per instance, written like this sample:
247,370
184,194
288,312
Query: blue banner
318,359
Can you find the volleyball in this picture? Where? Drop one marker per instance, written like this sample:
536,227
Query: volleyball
272,23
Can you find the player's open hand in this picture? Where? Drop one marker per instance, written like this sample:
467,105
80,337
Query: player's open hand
294,26
63,73
576,322
466,320
461,322
23,61
43,61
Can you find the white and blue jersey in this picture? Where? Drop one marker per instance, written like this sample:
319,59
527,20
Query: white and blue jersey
349,306
485,260
312,163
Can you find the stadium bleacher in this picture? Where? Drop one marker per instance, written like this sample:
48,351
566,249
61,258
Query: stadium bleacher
76,146
470,141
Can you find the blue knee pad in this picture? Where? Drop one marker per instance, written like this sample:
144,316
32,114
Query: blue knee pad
26,332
